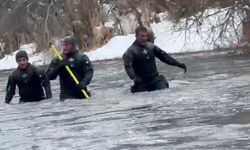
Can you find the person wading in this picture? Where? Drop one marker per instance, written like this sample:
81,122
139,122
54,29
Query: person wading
80,66
140,63
31,82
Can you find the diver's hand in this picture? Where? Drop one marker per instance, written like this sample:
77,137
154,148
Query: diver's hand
137,80
62,64
184,67
82,86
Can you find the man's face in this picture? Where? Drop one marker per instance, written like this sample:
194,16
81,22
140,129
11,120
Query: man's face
22,63
142,37
68,48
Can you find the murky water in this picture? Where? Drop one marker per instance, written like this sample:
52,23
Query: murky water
208,108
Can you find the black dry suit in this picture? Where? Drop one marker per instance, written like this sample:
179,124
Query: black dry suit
81,67
140,65
31,83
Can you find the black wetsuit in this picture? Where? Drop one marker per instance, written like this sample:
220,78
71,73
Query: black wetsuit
81,67
31,83
140,65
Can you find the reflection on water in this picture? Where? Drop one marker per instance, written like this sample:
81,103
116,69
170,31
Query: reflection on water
208,108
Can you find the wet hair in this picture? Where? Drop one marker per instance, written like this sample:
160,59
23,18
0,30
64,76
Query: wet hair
140,29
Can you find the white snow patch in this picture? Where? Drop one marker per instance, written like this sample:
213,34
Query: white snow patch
200,36
109,24
115,48
9,61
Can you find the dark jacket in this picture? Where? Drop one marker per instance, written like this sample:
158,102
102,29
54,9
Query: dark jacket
139,61
81,67
31,83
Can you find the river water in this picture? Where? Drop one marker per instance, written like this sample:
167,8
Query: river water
207,108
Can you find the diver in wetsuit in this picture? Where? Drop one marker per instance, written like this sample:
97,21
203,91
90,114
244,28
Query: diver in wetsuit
78,63
31,82
140,65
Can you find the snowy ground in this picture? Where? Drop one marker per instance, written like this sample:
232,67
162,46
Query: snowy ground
169,40
9,61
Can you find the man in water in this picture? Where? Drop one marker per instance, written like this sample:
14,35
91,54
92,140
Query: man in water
31,82
140,65
78,63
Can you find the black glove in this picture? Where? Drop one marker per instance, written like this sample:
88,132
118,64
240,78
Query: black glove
82,86
137,80
183,66
62,64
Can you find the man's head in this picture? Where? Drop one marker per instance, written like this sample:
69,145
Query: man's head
22,59
69,45
141,34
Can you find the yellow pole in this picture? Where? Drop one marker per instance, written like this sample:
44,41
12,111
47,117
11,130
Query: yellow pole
69,70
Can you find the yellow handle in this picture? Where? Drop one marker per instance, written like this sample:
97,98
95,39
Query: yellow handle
69,70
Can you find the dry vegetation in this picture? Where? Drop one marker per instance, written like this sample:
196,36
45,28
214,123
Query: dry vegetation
25,21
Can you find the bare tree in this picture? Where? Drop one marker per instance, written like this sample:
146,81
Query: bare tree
234,21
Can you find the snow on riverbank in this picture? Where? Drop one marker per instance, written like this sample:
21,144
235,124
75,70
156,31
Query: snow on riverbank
169,40
199,37
9,61
113,49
